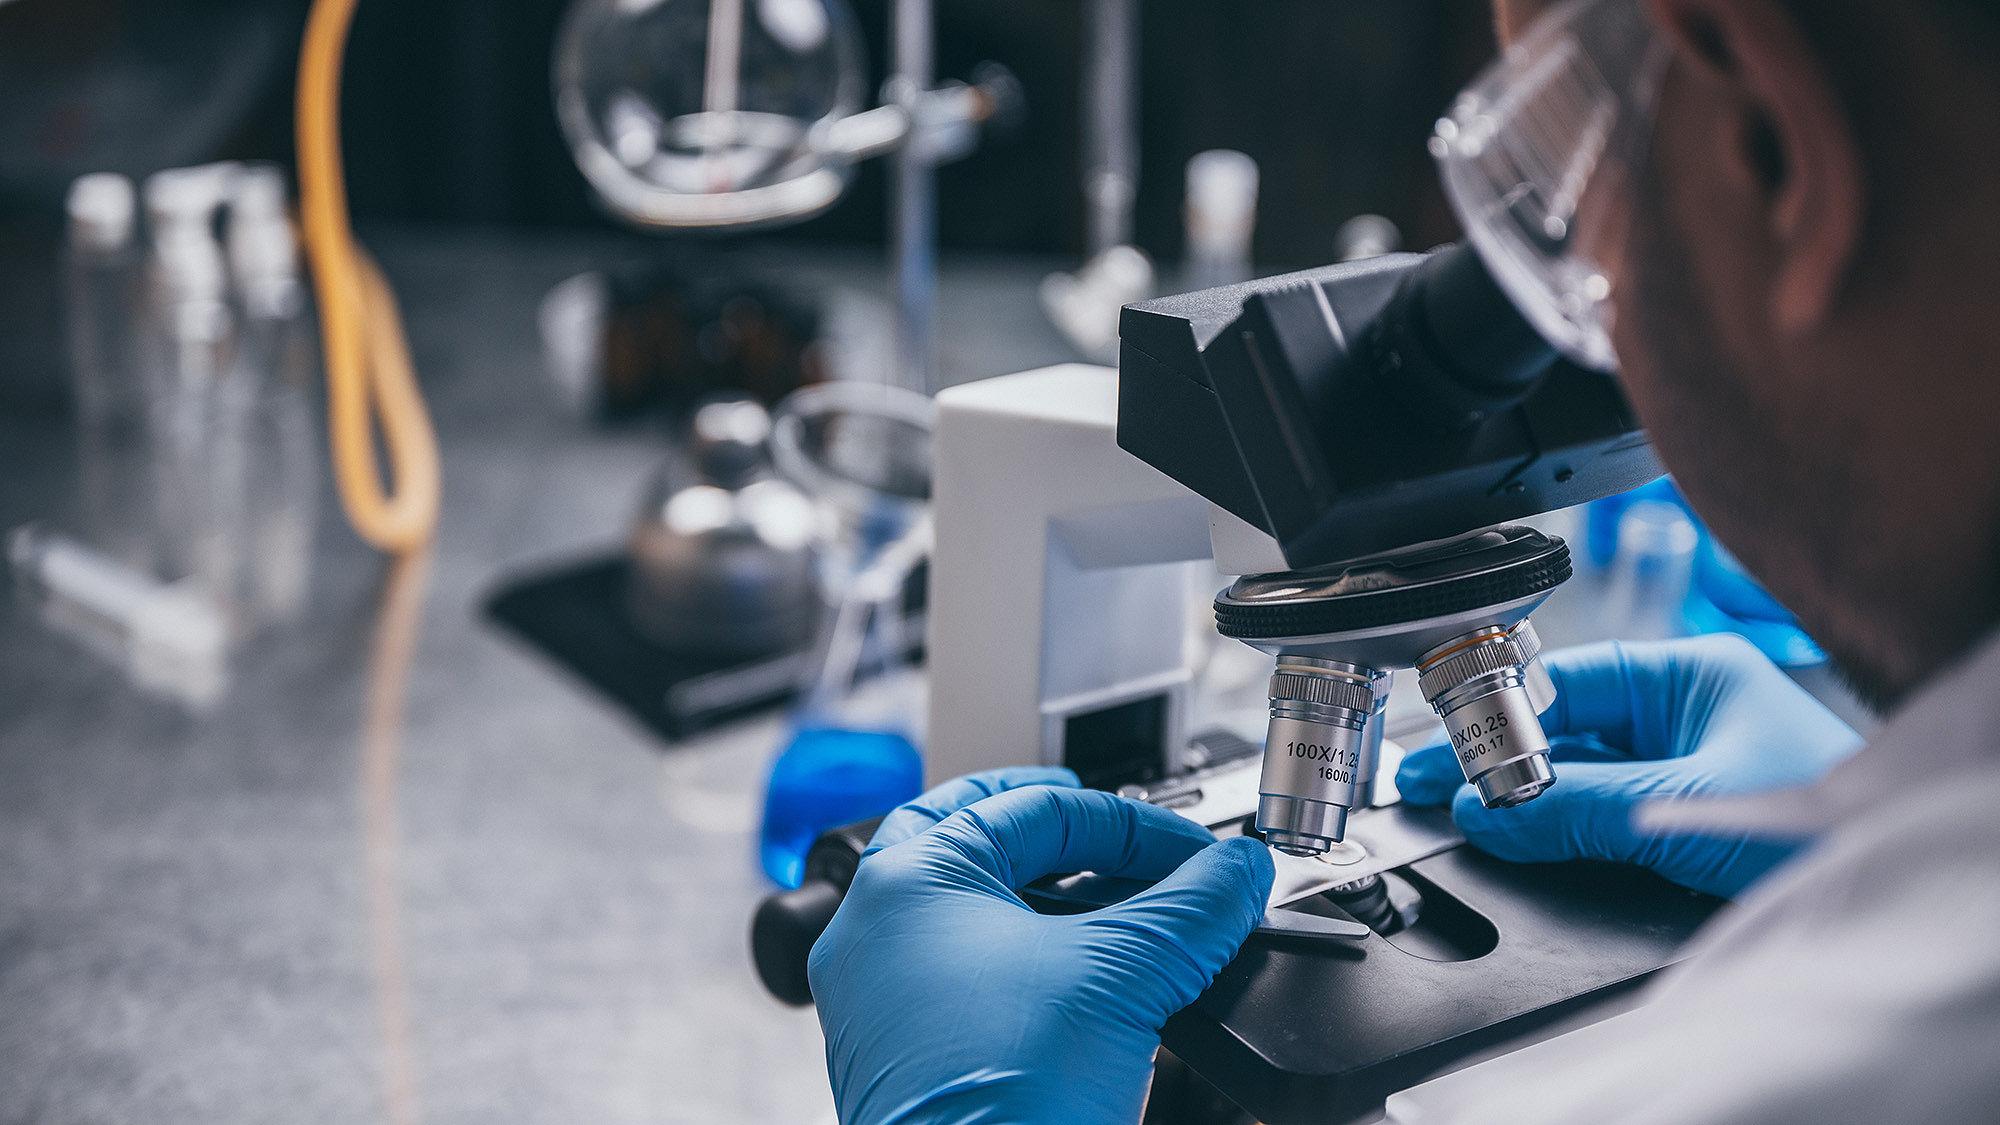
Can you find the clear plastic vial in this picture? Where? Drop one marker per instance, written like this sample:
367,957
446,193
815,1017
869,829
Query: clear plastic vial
273,379
100,310
169,638
99,254
1221,217
196,415
1647,586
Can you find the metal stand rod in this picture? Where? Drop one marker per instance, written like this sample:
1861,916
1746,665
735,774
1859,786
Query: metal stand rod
913,217
723,72
1110,122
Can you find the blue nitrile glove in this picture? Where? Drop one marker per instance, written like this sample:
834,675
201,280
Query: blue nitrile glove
1633,723
945,999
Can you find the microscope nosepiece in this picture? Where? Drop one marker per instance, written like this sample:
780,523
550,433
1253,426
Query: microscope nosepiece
1456,611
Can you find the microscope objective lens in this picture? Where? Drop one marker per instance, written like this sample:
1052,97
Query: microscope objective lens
1320,752
1489,689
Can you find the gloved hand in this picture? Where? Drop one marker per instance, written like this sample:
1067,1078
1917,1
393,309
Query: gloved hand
1634,723
945,999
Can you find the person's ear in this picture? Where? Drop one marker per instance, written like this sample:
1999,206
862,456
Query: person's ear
1797,145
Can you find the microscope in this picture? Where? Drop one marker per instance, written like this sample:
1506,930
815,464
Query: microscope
1365,432
1353,443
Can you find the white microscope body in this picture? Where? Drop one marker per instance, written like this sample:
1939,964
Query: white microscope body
1070,584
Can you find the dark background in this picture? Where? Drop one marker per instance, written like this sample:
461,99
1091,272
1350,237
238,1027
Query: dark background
448,118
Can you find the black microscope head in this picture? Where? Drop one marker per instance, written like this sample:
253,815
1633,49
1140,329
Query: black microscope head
1365,407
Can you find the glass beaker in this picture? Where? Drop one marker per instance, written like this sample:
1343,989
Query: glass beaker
863,451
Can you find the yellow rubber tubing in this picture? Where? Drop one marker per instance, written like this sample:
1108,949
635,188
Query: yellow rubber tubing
369,377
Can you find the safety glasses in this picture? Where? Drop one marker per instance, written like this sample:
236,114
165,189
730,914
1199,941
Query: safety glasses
1537,156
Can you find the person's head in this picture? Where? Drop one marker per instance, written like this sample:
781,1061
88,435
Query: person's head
1805,313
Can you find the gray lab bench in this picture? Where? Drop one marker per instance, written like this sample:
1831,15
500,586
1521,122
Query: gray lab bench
521,908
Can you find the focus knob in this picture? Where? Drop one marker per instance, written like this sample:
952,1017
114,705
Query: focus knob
786,925
782,936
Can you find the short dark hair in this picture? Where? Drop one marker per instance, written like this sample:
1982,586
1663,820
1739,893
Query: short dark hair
1973,24
1846,29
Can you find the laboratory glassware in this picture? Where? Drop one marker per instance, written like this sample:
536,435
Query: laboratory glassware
102,210
710,113
1366,236
722,552
169,637
194,393
826,777
1084,305
1722,597
101,308
853,751
189,348
1221,216
274,379
727,114
1650,575
863,451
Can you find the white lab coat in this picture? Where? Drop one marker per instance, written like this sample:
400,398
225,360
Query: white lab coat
1861,983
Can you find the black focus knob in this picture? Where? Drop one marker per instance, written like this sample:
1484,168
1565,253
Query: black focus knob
782,936
786,925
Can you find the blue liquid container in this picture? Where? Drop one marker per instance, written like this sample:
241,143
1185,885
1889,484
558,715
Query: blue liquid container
1723,598
828,777
1601,518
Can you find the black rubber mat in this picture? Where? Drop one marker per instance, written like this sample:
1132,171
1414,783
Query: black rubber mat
574,614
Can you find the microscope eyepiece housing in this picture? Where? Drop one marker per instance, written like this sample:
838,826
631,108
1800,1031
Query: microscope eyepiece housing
1361,408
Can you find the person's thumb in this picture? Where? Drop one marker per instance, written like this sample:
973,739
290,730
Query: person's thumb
1587,814
1175,936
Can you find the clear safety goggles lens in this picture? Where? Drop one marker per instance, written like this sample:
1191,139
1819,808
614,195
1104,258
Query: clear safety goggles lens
1536,152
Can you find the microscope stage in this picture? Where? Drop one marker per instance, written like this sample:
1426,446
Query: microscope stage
1304,1032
